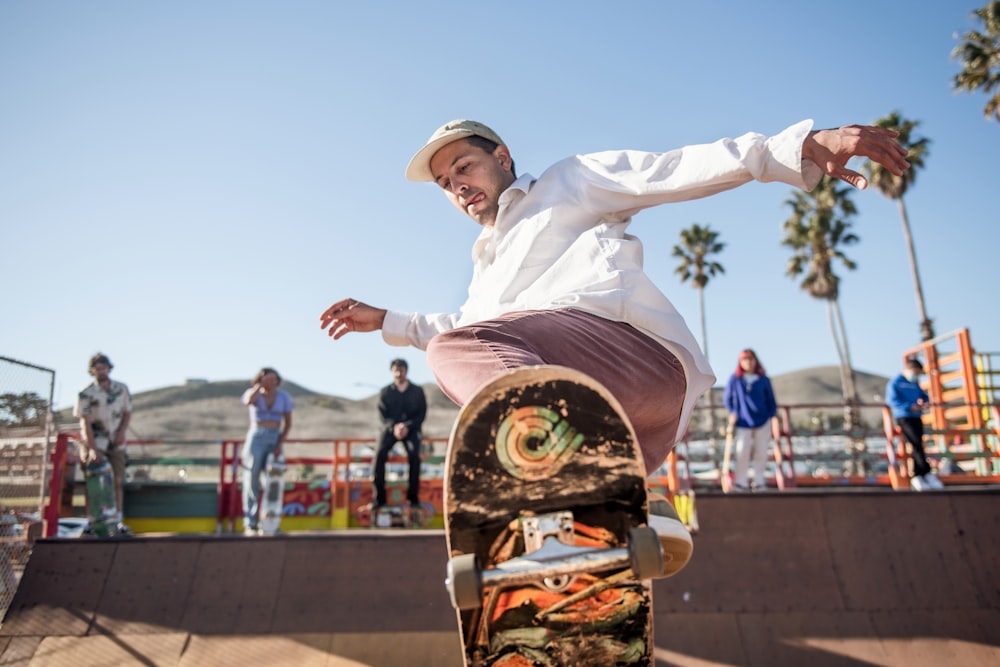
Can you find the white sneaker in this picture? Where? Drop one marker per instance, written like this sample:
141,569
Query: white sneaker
932,481
918,483
674,536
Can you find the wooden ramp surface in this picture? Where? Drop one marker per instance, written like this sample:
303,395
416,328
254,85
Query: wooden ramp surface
812,578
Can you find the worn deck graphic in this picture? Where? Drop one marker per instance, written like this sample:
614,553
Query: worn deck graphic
544,475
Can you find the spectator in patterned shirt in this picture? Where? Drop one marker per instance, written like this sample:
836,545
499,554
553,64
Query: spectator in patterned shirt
105,410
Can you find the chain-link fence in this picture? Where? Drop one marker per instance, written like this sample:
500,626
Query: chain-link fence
26,436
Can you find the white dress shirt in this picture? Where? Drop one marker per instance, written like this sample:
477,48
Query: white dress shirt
559,240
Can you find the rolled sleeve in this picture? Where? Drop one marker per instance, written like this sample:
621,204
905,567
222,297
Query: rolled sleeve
402,329
784,162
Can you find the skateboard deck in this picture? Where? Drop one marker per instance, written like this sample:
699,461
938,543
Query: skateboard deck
399,516
545,517
726,475
102,503
390,516
274,495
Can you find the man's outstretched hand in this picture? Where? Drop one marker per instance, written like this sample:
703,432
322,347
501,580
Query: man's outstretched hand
350,315
831,149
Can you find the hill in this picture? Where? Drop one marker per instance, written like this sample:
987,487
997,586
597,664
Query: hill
820,386
212,410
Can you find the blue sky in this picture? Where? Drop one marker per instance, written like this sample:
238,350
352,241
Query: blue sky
186,186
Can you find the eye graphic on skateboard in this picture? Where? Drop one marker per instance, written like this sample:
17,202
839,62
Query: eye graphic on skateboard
534,442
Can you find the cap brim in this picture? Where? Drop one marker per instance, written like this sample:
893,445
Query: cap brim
419,168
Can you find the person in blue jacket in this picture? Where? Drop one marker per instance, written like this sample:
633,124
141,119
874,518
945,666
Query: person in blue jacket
749,398
907,400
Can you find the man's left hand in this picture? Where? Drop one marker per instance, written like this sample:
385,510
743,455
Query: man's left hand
830,150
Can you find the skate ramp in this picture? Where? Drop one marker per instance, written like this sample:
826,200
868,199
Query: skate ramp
852,578
811,578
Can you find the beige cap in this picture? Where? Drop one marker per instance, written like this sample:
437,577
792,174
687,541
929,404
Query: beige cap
419,168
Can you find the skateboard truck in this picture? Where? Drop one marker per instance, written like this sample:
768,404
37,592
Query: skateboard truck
548,537
554,560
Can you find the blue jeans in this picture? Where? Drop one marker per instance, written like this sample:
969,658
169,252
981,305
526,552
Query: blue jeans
258,444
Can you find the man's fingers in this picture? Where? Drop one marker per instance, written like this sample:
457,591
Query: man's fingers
835,148
883,148
338,328
336,312
889,154
854,178
330,313
342,328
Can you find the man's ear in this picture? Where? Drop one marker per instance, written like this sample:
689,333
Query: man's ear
502,154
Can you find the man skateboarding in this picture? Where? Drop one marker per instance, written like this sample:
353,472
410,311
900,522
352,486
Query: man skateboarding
557,280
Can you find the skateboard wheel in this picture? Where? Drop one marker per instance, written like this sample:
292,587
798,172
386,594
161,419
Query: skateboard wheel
645,552
464,583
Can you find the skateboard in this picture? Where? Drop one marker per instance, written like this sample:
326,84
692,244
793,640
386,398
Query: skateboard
545,519
400,516
102,503
726,475
390,516
274,495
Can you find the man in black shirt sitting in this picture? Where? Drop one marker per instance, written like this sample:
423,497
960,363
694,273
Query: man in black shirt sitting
403,407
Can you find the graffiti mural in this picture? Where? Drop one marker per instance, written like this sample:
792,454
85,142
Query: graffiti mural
315,498
307,499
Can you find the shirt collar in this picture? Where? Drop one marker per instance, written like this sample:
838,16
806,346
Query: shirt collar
522,185
514,192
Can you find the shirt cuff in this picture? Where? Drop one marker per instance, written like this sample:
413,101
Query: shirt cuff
786,164
394,328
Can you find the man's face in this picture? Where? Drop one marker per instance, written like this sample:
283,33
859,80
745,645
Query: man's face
100,371
399,372
473,179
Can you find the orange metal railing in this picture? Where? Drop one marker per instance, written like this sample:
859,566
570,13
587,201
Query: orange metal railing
342,454
973,443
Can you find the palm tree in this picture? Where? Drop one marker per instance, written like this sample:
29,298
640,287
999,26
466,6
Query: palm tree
817,229
980,56
894,187
698,245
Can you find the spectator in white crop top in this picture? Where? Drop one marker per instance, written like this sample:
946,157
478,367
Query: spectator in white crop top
270,421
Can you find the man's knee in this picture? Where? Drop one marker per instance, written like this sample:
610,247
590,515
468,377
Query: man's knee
448,355
444,346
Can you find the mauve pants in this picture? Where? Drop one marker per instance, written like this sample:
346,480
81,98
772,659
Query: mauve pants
646,378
